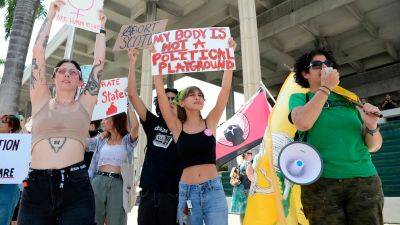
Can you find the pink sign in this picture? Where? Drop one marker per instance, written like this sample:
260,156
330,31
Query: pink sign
244,130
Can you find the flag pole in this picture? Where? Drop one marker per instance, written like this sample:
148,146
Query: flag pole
268,93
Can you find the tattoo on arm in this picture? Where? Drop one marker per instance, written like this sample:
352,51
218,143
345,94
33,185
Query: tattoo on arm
34,72
42,29
45,41
93,85
57,143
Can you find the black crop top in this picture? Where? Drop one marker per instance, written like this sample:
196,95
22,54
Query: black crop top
196,149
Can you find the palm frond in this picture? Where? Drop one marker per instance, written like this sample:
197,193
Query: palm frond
2,3
10,9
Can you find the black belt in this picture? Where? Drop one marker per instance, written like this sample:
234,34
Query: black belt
47,172
107,174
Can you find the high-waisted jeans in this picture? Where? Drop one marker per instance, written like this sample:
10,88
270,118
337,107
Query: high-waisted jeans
208,203
58,196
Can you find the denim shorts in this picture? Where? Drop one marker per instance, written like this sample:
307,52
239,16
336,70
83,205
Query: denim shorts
208,203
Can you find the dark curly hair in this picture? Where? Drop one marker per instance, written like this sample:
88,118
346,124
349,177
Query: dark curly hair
303,62
155,101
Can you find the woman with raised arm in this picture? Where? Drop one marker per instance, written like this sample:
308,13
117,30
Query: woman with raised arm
111,149
201,195
58,189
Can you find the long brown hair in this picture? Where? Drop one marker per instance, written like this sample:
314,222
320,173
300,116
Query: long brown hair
120,124
181,111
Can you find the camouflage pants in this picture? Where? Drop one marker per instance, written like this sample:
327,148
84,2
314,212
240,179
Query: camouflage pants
355,201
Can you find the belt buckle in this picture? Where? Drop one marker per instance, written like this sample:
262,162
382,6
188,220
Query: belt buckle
110,174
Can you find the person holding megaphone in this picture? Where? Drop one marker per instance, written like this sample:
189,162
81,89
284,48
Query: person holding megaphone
349,191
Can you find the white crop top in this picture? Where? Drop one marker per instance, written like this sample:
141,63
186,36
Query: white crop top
113,155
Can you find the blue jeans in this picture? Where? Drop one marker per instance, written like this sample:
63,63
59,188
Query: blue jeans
9,196
208,203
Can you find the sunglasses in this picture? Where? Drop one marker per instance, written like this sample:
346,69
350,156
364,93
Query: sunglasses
318,64
71,72
171,99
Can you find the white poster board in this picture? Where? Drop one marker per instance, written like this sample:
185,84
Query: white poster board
112,98
81,13
15,156
192,50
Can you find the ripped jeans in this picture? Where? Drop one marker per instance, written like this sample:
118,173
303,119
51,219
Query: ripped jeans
208,203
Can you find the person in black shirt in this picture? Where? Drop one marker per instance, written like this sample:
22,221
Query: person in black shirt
388,103
161,171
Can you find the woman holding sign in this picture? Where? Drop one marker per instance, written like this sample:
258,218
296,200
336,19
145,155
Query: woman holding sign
58,189
201,195
111,149
9,193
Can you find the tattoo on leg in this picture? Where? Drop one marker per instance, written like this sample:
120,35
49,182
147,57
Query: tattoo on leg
57,143
93,84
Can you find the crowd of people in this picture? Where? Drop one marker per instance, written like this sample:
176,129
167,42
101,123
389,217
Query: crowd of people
75,174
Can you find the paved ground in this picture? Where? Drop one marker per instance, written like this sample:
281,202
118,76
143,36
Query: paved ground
390,212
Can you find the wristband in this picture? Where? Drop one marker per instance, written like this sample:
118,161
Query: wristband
371,132
102,31
324,91
326,88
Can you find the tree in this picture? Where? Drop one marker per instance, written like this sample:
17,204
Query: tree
22,13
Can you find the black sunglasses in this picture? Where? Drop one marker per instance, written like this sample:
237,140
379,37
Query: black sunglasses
318,64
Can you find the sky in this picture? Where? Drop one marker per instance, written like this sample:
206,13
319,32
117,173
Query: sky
210,90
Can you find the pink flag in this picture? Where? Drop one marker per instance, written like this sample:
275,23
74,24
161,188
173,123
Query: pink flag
244,130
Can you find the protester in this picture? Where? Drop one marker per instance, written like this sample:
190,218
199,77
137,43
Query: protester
161,171
94,130
201,195
9,193
241,190
388,103
349,190
58,190
111,149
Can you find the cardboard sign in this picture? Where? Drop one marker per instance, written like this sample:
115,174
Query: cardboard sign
81,13
112,98
192,50
15,155
138,35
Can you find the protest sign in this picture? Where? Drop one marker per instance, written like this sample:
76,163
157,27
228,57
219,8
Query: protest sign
81,13
15,155
112,98
138,35
192,50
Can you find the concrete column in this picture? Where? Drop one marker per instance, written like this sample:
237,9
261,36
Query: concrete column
249,47
69,46
146,88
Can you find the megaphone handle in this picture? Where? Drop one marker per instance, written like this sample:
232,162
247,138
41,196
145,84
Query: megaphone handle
288,186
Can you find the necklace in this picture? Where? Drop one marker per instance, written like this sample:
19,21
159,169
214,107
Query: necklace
63,103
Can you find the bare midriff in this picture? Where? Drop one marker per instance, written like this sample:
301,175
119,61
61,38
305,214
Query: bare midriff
199,174
44,156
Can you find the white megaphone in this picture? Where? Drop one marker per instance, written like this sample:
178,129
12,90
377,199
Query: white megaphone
299,163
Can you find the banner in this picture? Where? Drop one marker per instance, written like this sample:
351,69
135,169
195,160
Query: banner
244,130
138,35
112,98
81,13
15,155
192,50
265,203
